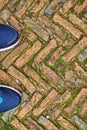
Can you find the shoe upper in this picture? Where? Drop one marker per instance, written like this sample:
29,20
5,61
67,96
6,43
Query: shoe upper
9,99
8,36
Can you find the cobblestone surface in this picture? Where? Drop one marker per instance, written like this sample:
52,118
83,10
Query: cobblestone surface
48,66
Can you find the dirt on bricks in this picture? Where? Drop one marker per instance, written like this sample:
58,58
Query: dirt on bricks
48,66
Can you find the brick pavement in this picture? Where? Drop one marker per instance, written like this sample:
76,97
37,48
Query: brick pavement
48,66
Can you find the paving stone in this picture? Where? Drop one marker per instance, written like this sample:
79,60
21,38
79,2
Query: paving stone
47,123
37,29
71,108
14,55
31,72
25,57
51,45
81,45
52,95
24,80
67,25
18,125
66,124
80,123
48,66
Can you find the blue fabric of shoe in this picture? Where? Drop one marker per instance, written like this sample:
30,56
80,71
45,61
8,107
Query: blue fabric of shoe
9,98
9,37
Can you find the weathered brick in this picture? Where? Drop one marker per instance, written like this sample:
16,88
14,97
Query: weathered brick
30,72
55,56
3,3
33,124
14,55
38,6
67,6
82,93
84,108
51,45
68,43
52,7
51,75
29,106
66,124
79,22
30,35
79,122
54,110
8,80
18,125
15,23
44,104
37,29
25,57
79,70
67,25
22,78
76,49
54,28
47,123
22,7
4,54
79,8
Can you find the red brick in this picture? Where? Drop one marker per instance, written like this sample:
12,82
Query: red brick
30,72
55,56
84,108
3,3
30,35
51,75
68,43
69,4
18,125
4,54
29,106
61,101
25,57
38,6
79,8
80,71
76,49
66,124
8,80
67,25
51,45
35,27
22,78
47,123
45,103
79,22
82,93
14,55
54,28
15,23
33,124
22,8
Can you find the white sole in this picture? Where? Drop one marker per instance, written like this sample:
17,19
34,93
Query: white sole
15,91
7,48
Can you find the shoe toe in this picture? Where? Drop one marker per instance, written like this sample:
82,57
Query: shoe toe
9,99
8,36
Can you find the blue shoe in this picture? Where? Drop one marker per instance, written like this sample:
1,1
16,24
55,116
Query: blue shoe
10,98
9,37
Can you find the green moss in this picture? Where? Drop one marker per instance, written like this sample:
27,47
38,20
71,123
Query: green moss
80,2
16,4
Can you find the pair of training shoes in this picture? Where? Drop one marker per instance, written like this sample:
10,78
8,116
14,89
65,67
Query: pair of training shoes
10,98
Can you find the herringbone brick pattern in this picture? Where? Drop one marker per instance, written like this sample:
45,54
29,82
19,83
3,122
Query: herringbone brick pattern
48,66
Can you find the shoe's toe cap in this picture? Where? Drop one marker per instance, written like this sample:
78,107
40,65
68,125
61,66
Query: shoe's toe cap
8,36
9,99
